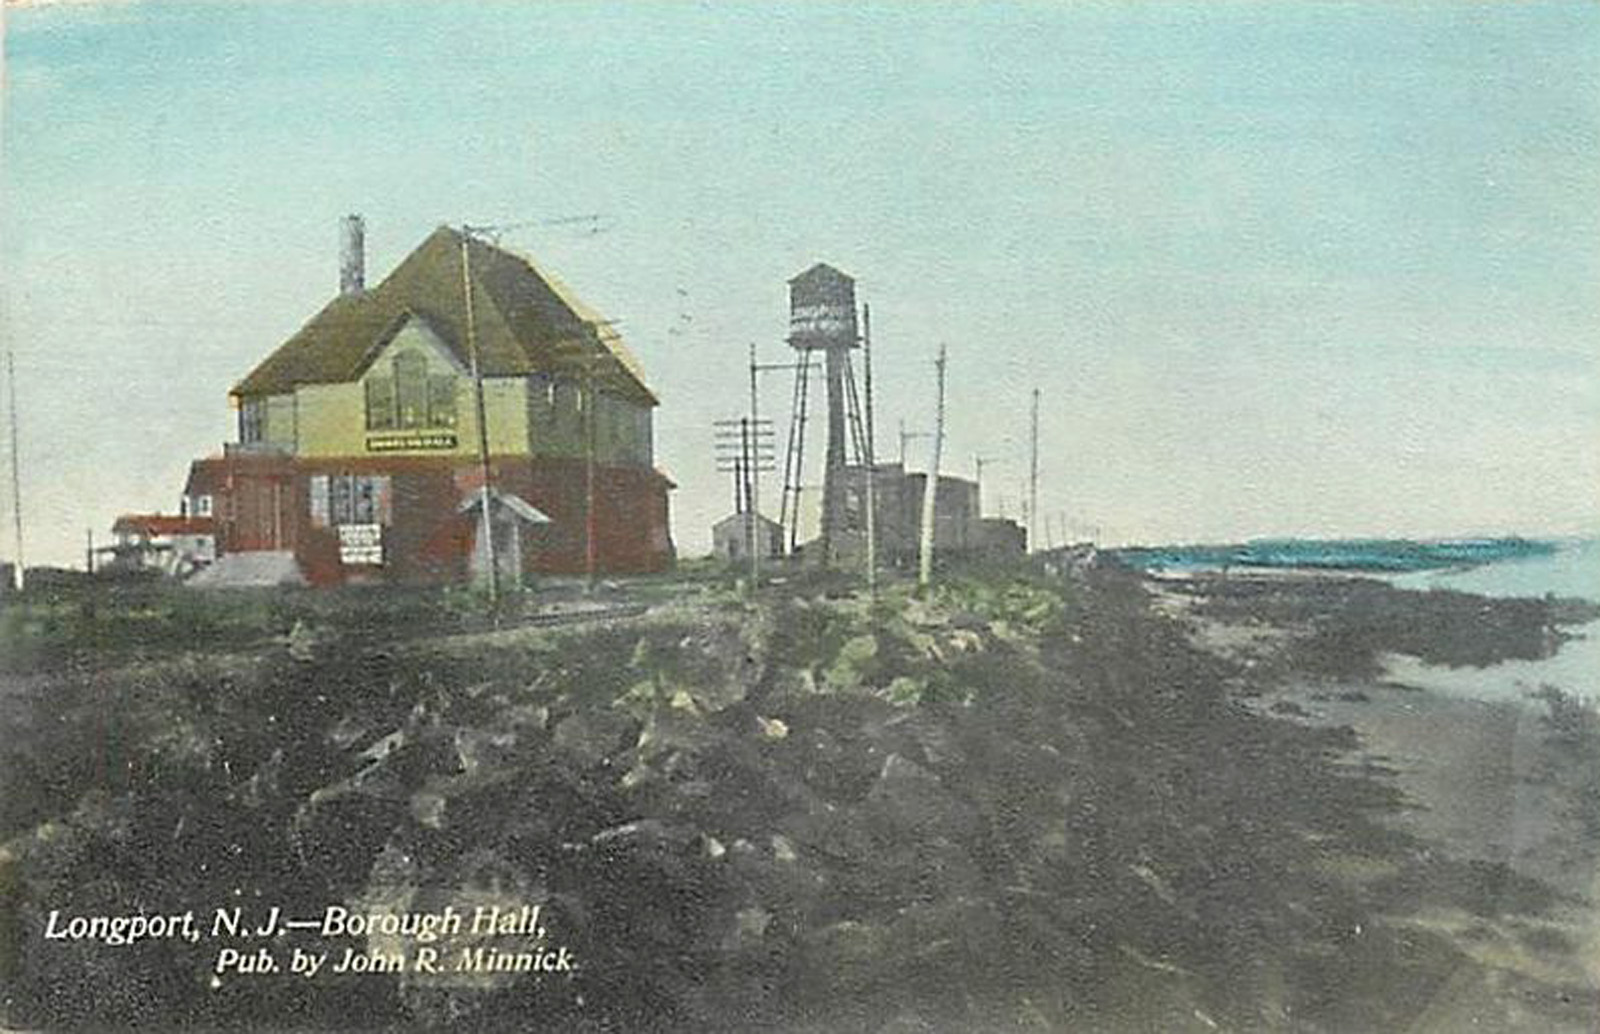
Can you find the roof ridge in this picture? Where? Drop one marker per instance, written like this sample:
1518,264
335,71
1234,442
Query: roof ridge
522,316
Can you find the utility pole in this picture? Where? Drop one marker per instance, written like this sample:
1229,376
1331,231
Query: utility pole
487,530
579,354
745,484
753,523
1033,466
20,578
978,463
872,459
590,406
906,436
930,492
744,447
492,234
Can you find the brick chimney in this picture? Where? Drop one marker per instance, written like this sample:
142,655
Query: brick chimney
352,255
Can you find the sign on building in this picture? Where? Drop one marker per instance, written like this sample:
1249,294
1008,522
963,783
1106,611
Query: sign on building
407,442
361,544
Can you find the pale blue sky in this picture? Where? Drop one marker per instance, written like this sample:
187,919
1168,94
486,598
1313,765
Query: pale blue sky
1277,268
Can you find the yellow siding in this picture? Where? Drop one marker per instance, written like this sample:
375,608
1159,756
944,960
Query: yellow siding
535,415
621,431
554,418
278,420
333,422
333,417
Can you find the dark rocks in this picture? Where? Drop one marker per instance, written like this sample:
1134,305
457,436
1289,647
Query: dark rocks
1007,806
912,799
594,737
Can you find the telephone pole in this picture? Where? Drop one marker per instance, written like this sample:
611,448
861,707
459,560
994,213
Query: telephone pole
755,536
872,458
580,355
978,463
16,465
744,448
1033,468
487,528
907,436
930,492
591,406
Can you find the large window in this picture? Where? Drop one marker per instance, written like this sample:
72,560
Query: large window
349,499
407,397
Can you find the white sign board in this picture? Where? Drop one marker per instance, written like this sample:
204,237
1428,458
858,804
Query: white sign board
361,544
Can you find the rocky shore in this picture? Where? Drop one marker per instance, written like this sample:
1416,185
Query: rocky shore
1022,803
1509,785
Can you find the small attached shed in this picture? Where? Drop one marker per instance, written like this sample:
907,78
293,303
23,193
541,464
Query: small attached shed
731,537
515,524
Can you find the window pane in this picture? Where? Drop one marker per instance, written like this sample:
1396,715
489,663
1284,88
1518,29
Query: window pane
411,390
380,403
384,490
250,421
319,500
339,499
442,400
364,501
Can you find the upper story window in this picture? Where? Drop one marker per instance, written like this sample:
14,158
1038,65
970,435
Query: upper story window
252,420
408,397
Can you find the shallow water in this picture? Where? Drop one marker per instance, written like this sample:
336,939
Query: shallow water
1574,570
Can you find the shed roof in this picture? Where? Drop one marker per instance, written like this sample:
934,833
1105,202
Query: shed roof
157,524
512,503
525,320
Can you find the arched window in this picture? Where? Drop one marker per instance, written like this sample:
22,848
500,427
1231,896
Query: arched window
410,397
410,390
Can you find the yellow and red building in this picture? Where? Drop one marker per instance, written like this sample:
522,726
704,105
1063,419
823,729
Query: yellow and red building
358,442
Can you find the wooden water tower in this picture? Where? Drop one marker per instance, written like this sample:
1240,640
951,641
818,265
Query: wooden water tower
822,325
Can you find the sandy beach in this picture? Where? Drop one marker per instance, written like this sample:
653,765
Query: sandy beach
1492,783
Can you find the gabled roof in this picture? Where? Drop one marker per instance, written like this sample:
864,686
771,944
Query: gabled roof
737,520
525,321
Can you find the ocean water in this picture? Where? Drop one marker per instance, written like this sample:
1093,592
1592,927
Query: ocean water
1573,570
